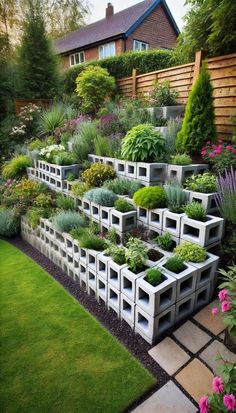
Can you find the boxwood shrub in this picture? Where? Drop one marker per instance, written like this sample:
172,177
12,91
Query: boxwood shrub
150,197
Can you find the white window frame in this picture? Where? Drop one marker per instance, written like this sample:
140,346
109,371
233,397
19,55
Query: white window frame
139,46
107,50
80,56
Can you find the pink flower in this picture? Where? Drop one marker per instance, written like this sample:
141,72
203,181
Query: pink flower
203,404
223,294
234,151
214,310
229,401
217,151
217,385
208,142
225,306
203,153
228,147
211,155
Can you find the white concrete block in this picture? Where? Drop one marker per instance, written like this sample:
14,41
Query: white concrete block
203,233
207,200
152,327
95,211
102,265
128,282
92,259
123,221
127,310
142,215
131,169
114,273
203,296
206,271
114,299
184,307
179,173
151,172
102,289
172,223
120,167
155,217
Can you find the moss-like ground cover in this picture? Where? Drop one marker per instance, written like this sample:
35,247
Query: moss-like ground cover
55,357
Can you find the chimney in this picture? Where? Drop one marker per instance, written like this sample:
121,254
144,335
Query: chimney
109,10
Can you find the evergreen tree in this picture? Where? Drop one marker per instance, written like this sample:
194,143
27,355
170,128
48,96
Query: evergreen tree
198,124
38,63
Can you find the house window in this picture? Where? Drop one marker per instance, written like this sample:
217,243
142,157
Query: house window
107,50
139,46
77,58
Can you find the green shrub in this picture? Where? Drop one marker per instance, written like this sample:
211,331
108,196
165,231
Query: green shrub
87,240
34,215
195,210
136,254
36,144
176,197
83,140
122,186
198,124
79,189
111,236
163,95
150,197
131,113
102,146
16,167
205,183
66,221
181,159
175,264
65,202
143,143
43,201
64,158
154,277
9,223
93,85
101,196
52,119
116,253
165,242
191,252
123,206
97,174
70,177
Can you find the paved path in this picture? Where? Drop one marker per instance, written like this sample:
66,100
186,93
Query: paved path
190,357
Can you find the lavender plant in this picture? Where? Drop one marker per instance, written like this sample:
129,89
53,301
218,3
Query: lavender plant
226,195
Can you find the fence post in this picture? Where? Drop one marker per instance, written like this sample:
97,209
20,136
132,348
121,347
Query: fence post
199,56
134,82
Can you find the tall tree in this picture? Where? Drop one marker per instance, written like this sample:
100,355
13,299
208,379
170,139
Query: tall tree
37,62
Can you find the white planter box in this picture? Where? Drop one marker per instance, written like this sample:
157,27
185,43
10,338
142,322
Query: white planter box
114,299
203,296
123,221
86,207
131,169
152,327
105,213
172,223
180,173
206,271
83,276
207,200
142,215
155,217
128,282
127,310
120,167
102,265
114,273
202,233
109,161
92,259
95,211
92,279
169,112
76,249
151,172
184,307
83,255
154,300
102,289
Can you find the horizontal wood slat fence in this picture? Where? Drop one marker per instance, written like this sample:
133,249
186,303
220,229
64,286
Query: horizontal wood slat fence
223,76
42,103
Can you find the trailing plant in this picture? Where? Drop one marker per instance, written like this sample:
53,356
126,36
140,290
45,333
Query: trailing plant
222,156
16,167
65,202
150,197
226,195
154,276
163,95
198,124
79,189
9,222
51,119
122,186
195,210
181,159
64,158
83,140
176,197
143,143
136,254
101,196
123,206
175,264
66,221
191,252
165,242
97,174
206,183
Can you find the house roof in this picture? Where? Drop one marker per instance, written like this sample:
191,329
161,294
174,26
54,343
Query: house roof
121,23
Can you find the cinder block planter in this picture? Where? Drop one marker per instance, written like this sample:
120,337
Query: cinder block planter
83,276
131,169
109,161
154,232
114,299
83,255
91,157
69,243
154,300
170,112
127,310
128,282
151,172
92,259
78,202
123,221
86,207
155,217
114,273
152,327
172,223
207,200
142,215
102,290
180,173
202,167
206,271
102,265
92,279
76,249
105,215
120,167
203,296
95,211
202,233
185,280
184,307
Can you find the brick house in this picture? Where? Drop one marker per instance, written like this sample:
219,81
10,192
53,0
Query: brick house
148,24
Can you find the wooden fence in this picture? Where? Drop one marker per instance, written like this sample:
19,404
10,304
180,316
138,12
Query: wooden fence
42,103
223,76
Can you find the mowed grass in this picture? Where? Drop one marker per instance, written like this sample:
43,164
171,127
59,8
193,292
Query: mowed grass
55,357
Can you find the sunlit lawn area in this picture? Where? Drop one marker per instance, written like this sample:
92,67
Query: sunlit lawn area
55,357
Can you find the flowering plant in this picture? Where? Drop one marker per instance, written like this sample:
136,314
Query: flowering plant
70,125
26,120
224,386
221,155
109,124
226,195
50,151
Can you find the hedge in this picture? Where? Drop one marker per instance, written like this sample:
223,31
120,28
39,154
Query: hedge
122,65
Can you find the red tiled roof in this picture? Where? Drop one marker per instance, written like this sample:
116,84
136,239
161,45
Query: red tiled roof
106,28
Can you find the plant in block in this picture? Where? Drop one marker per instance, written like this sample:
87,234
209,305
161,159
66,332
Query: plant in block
136,255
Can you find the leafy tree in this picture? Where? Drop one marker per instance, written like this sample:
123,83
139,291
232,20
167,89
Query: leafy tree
198,124
37,61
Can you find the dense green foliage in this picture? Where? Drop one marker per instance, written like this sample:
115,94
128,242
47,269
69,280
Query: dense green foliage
65,202
181,159
84,139
79,189
123,186
154,276
163,95
195,210
16,167
51,119
9,224
198,124
97,174
190,252
66,221
101,196
117,253
175,264
176,197
150,197
136,254
165,242
205,183
123,206
91,241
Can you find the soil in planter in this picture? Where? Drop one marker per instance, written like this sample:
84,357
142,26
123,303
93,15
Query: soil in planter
154,255
177,272
141,269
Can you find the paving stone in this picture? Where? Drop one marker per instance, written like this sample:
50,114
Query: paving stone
215,350
191,336
168,399
212,323
169,355
196,379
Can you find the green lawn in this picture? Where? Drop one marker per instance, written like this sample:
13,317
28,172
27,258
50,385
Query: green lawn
55,357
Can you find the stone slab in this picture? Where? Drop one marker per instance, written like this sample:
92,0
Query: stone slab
212,323
212,353
196,379
169,355
168,399
191,336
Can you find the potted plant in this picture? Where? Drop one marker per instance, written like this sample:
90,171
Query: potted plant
203,189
